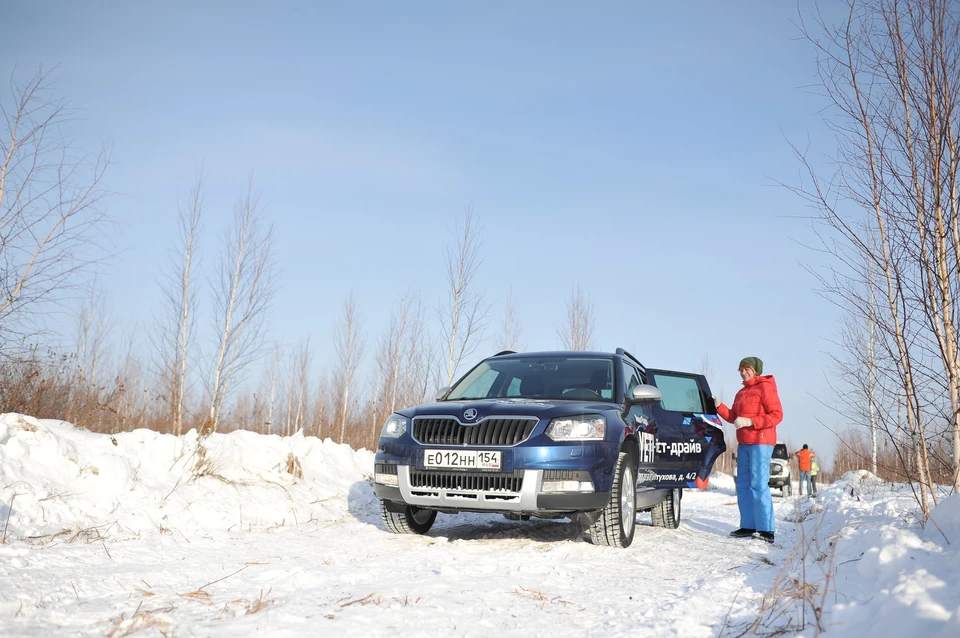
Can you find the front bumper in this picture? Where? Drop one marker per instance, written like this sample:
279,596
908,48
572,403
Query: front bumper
529,498
517,487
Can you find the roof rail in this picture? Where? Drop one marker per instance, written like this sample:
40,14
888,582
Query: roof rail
623,352
505,352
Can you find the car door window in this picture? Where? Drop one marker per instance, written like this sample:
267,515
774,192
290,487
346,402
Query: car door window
632,375
680,394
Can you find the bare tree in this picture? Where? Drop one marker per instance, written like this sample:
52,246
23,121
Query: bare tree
349,348
302,362
50,206
891,70
872,365
318,422
273,388
464,315
175,325
577,332
402,363
509,338
93,323
390,361
243,292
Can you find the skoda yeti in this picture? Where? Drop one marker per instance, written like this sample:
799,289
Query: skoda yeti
595,437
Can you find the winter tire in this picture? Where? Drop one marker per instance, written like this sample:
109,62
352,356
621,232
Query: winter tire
412,520
787,489
618,520
667,512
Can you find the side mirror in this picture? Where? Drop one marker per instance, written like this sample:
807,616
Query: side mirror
442,393
645,393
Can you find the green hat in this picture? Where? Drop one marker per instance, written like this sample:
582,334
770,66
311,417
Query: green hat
753,362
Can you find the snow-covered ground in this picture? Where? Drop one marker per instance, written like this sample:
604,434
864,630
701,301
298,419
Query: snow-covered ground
110,536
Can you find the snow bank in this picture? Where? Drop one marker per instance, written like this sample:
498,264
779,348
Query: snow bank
55,478
889,575
300,513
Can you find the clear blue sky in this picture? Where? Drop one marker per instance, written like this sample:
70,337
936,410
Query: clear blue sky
630,147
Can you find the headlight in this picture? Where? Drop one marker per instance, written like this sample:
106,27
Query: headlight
395,426
577,428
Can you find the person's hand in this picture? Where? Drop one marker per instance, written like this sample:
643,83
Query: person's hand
716,401
742,422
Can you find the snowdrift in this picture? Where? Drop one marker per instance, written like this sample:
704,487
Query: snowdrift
56,478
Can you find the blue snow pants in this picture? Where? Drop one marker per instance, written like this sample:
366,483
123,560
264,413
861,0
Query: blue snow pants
753,491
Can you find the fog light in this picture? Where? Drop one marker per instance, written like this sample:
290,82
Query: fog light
567,486
386,479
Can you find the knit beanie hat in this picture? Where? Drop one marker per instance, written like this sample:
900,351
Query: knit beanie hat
753,362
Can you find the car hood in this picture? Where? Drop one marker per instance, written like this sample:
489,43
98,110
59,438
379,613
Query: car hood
484,408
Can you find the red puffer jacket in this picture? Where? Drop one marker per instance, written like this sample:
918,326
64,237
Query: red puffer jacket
759,401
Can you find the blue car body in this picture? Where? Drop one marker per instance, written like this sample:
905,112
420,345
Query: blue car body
513,462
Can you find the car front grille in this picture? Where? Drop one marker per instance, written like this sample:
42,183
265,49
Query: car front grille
467,481
444,431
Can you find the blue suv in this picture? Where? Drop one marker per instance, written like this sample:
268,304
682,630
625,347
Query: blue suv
590,436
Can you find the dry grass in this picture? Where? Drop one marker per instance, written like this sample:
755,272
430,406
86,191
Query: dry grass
543,598
293,466
141,620
197,594
796,601
260,603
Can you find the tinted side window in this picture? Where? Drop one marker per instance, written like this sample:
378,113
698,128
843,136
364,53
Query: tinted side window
632,375
680,394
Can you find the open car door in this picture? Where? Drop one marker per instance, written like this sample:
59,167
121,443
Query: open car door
689,434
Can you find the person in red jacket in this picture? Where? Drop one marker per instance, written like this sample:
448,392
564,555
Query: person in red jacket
756,411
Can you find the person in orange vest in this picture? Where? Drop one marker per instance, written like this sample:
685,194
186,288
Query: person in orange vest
805,457
756,412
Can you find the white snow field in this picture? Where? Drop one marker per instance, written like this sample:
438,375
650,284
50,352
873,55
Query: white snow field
111,536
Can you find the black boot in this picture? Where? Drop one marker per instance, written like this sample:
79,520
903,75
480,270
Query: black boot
743,532
767,536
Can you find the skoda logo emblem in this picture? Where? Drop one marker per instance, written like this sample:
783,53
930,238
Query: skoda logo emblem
470,414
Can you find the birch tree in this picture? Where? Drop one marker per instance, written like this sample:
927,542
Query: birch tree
576,333
510,334
402,364
51,207
93,323
349,348
175,326
243,292
319,425
302,362
891,71
464,315
272,391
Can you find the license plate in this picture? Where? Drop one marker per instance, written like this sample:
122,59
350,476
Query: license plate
462,459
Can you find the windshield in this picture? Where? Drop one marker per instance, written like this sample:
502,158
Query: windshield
551,377
780,451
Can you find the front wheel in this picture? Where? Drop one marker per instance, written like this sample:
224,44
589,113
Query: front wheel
667,512
618,520
410,520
